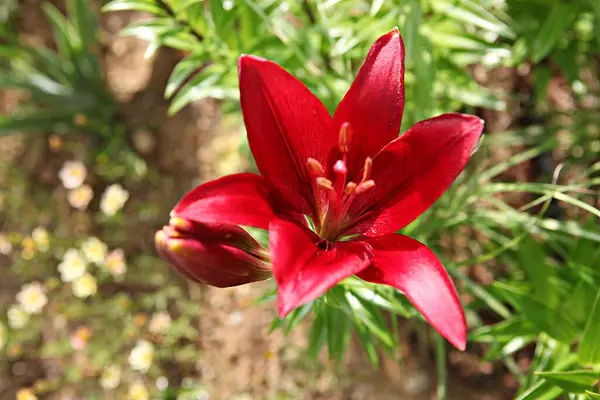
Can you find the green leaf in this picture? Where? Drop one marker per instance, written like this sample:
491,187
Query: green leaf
149,6
572,381
592,395
557,20
504,331
204,84
533,261
35,122
542,390
182,72
589,348
84,20
65,35
481,19
551,321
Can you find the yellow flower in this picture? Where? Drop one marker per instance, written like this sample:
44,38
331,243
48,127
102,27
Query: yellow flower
137,391
141,356
80,197
115,262
111,377
113,199
17,317
32,298
28,248
41,238
81,337
73,265
94,250
72,174
26,394
85,286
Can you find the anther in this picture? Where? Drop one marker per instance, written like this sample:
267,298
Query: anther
324,183
315,167
345,137
367,169
350,187
364,187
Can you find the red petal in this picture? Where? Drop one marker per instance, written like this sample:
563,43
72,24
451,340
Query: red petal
413,171
373,106
286,125
304,269
235,199
412,267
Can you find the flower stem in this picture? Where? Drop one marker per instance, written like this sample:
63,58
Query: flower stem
440,350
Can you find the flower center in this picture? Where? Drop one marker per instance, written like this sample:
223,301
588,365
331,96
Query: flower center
334,194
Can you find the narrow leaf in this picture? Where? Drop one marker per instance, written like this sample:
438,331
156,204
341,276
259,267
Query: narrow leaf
589,349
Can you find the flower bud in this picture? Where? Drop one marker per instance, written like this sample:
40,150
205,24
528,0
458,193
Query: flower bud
220,255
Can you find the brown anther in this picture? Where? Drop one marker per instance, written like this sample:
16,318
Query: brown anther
350,187
315,167
345,136
367,169
324,183
364,187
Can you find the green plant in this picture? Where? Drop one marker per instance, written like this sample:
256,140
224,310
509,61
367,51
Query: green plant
65,88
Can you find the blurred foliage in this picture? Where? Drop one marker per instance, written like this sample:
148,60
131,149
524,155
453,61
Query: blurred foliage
65,86
542,257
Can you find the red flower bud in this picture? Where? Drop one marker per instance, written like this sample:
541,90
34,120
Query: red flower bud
219,255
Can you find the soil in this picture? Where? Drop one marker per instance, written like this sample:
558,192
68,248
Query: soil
239,356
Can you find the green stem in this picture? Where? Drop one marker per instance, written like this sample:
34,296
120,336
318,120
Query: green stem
440,350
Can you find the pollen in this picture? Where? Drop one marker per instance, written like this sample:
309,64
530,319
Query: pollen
345,137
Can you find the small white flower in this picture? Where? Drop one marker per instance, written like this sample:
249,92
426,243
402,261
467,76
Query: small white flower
41,238
73,265
72,174
162,383
84,286
5,245
111,377
17,317
113,199
2,336
32,298
137,391
141,356
94,250
160,323
115,262
80,197
228,4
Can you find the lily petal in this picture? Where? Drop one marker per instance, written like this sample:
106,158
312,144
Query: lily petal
241,199
412,267
413,171
305,267
286,125
374,103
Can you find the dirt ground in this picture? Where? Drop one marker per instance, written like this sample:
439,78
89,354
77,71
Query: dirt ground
239,356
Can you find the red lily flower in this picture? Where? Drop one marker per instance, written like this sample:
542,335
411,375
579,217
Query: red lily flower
352,176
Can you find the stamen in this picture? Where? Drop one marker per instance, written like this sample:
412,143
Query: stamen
364,187
345,137
367,169
350,187
315,167
324,183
